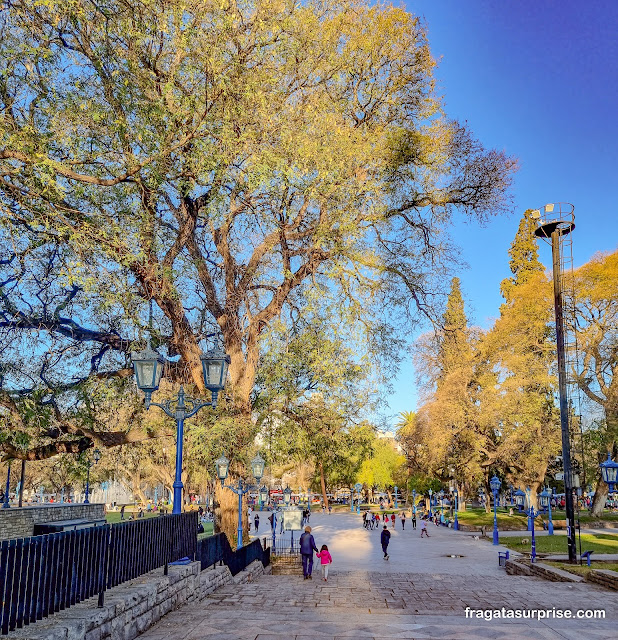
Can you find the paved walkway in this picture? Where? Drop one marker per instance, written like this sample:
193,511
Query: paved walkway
419,593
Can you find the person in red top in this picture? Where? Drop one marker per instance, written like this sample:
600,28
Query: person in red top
325,560
393,520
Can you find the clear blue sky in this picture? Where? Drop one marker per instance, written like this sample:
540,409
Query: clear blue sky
539,79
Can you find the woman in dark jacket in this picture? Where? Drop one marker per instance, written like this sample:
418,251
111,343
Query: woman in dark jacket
307,547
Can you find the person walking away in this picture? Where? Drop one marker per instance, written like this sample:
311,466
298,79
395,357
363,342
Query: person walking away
256,521
373,521
385,538
393,520
122,512
325,560
403,520
377,520
307,547
424,528
414,521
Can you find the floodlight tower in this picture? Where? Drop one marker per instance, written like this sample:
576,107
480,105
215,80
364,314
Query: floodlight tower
555,223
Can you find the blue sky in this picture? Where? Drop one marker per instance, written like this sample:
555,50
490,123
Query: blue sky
538,79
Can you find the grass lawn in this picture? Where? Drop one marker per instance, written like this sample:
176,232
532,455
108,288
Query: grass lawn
114,516
479,518
583,570
601,543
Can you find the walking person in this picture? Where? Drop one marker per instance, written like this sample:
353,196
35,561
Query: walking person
393,520
414,521
307,547
256,521
403,520
325,560
385,538
424,528
122,512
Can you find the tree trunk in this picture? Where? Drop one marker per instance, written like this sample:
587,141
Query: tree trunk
600,496
323,486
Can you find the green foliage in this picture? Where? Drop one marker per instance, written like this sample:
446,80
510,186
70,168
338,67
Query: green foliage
383,469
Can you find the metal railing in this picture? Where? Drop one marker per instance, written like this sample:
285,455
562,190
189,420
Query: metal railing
44,574
217,549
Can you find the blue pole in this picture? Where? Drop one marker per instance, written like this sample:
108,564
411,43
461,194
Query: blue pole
86,501
456,524
533,550
550,526
180,423
240,494
529,509
396,504
62,496
358,502
430,500
496,539
274,531
351,501
6,504
414,502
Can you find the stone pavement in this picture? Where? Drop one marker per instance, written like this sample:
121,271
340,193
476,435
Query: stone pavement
419,593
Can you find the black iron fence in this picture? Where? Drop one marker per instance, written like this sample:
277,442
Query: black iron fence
217,549
44,574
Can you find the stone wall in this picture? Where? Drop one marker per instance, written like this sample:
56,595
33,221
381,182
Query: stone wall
553,574
135,606
604,577
18,522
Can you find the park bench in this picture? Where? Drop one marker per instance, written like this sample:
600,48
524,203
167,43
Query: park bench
42,528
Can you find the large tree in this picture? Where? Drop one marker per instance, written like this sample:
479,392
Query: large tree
214,159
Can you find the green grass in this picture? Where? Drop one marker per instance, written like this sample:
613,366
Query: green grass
601,543
584,570
479,518
114,516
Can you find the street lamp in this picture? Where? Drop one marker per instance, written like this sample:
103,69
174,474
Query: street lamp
441,496
609,471
495,484
264,495
545,500
97,456
287,496
222,466
456,523
532,514
358,487
430,494
396,504
414,502
148,366
351,499
519,499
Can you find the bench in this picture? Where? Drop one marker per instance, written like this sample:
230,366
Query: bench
42,528
586,555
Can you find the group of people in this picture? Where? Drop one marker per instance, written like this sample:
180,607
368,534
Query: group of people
307,547
371,520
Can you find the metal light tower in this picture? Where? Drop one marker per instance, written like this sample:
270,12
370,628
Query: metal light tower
555,222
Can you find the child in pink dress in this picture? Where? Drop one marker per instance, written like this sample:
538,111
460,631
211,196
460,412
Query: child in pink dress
325,559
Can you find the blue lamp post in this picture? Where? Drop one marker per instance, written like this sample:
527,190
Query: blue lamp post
520,496
264,494
545,501
148,366
456,523
532,514
358,486
495,484
351,500
441,496
5,504
430,499
529,503
414,502
396,504
609,471
97,456
222,465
